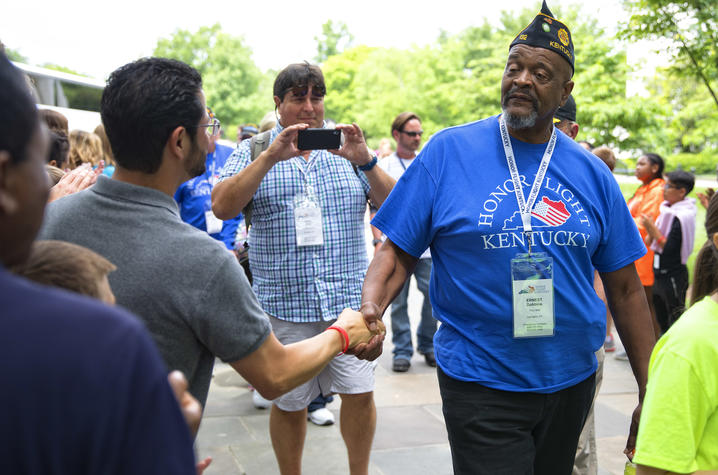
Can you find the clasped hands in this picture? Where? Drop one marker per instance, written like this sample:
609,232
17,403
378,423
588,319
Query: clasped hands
365,329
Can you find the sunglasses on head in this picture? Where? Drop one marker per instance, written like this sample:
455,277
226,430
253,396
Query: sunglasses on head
301,91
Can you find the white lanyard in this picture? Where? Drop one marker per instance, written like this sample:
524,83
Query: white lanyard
525,206
304,167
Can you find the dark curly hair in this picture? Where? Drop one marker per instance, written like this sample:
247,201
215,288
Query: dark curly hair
143,102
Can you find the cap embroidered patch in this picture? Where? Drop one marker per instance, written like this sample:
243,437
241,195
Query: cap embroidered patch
547,32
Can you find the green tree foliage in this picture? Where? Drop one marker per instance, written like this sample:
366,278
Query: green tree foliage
457,80
334,39
687,89
237,91
693,118
690,122
691,28
62,69
606,115
14,55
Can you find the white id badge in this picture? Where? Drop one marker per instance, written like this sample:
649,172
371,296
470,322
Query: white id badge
532,284
308,221
214,224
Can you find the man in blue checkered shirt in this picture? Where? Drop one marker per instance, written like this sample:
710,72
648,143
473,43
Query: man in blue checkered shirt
308,252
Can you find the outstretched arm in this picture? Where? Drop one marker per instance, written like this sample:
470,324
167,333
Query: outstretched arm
384,279
273,369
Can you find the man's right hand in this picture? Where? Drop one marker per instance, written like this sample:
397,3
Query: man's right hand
358,330
373,348
284,146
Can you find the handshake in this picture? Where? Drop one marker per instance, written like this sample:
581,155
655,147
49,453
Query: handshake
366,331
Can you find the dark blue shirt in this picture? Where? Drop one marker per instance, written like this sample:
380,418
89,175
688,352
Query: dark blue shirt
84,390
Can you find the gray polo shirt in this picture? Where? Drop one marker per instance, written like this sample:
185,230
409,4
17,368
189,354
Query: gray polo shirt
188,289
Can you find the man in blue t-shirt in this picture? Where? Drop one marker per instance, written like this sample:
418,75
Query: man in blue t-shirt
194,197
517,216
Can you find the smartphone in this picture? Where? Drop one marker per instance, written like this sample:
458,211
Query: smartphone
319,139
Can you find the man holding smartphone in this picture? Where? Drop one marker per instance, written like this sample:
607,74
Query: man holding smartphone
307,251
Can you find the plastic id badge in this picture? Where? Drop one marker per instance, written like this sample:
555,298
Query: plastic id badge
308,221
532,285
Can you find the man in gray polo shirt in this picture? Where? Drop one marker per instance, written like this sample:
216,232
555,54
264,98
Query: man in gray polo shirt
191,293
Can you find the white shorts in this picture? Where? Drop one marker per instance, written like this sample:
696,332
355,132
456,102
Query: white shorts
345,374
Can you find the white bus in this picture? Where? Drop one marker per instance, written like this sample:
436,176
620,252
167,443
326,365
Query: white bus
76,97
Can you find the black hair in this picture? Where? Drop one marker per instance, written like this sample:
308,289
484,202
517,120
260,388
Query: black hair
682,179
143,102
298,75
656,159
18,113
59,148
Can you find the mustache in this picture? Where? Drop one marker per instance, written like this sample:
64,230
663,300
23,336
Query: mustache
523,92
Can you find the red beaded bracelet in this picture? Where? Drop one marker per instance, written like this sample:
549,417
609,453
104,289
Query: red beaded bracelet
344,335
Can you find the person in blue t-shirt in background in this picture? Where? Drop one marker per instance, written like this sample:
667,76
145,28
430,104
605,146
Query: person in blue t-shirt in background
194,197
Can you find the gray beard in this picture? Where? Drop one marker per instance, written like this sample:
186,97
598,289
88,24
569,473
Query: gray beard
518,122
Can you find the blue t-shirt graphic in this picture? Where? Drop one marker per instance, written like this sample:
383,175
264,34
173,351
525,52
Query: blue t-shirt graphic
458,198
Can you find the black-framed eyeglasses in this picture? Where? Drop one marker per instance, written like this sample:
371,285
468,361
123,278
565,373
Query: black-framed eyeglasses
212,128
412,134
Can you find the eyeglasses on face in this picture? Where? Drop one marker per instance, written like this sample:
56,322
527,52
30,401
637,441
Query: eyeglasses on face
412,134
212,128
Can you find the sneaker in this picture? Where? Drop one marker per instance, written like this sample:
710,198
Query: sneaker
321,417
609,344
621,355
259,402
401,365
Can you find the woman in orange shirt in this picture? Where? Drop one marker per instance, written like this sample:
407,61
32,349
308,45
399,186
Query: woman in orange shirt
647,200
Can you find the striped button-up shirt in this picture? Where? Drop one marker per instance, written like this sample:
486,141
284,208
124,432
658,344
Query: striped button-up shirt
309,283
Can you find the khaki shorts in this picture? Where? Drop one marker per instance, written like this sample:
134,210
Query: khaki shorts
345,374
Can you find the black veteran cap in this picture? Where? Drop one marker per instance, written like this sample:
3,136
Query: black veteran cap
566,111
547,32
